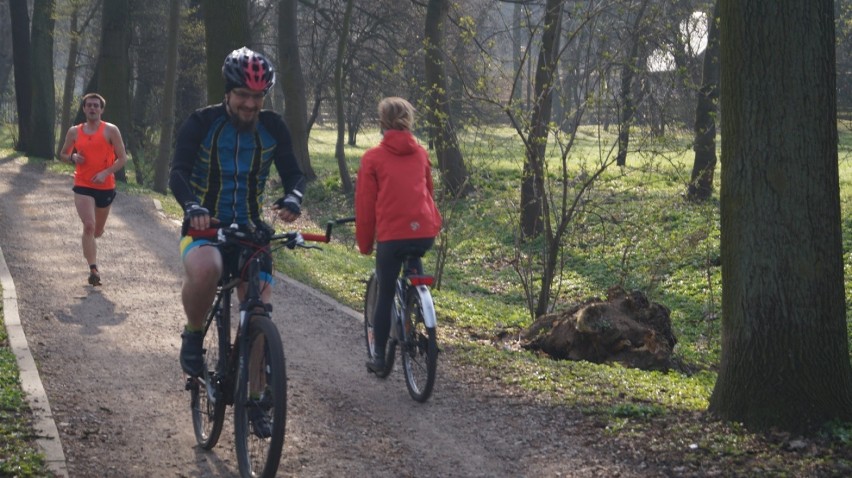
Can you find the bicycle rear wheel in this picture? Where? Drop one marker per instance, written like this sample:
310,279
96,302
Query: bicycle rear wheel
419,350
371,295
206,402
261,397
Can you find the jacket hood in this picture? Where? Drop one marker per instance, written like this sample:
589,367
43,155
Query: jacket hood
399,142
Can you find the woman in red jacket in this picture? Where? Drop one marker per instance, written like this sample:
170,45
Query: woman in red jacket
394,208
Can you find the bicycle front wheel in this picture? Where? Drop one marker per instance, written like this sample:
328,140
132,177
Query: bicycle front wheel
260,409
371,295
207,402
419,350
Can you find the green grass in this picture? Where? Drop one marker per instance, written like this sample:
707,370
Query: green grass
19,454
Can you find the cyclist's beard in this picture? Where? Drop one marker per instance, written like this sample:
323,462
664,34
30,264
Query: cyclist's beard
243,125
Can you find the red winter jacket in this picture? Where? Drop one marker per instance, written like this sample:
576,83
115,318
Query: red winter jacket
393,194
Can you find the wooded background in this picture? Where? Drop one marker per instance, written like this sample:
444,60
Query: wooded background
639,68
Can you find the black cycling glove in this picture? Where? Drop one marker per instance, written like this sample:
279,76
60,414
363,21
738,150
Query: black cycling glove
193,209
291,202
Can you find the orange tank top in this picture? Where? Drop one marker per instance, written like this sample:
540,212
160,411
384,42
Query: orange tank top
99,154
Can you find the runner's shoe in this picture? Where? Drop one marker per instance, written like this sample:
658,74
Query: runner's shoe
94,277
192,353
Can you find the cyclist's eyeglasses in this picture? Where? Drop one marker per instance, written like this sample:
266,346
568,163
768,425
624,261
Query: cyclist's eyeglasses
244,95
91,105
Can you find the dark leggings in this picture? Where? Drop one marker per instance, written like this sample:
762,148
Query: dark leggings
389,257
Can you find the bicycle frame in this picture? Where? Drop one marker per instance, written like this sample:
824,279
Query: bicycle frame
230,352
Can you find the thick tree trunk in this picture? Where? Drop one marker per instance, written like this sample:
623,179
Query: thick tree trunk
454,173
704,167
167,114
226,28
43,142
149,70
5,47
188,96
114,69
293,84
785,356
20,18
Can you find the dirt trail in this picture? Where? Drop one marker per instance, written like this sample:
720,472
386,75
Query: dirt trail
108,360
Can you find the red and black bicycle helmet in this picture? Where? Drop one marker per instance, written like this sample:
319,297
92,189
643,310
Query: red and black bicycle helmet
245,68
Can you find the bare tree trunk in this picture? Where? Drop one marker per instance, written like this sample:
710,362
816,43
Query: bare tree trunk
20,18
226,29
315,111
516,52
70,72
91,87
71,69
43,142
454,173
167,114
533,203
785,353
191,51
293,84
345,177
628,105
5,48
704,167
113,74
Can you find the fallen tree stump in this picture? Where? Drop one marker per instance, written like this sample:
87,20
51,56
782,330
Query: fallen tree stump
625,328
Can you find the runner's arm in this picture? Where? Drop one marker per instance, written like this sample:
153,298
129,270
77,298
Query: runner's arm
68,147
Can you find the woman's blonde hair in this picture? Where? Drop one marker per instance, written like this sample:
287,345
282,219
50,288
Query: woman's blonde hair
396,113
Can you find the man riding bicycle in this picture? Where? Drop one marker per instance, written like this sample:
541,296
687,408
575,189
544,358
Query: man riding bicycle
222,158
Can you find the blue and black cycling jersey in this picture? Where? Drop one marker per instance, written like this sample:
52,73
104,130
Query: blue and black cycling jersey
225,170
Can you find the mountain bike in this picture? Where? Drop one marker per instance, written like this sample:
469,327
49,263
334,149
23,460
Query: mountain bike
413,325
248,373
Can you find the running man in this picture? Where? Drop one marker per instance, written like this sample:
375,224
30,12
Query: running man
97,151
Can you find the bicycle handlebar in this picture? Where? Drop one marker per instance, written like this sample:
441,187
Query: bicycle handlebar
224,235
293,239
331,224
